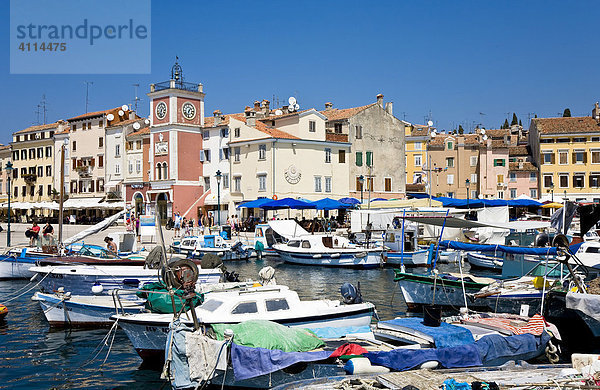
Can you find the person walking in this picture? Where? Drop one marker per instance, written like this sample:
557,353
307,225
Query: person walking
177,224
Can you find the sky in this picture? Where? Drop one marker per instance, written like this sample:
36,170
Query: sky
454,62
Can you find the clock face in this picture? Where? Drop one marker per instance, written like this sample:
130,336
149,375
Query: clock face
161,110
189,111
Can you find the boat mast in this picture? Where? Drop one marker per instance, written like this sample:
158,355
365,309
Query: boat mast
62,193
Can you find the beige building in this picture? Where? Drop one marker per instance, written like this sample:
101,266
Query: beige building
5,157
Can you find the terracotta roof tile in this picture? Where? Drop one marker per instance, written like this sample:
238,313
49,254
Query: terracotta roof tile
419,131
497,133
209,121
93,114
499,143
273,132
582,124
284,115
345,113
38,127
125,122
521,150
4,147
526,167
65,131
142,131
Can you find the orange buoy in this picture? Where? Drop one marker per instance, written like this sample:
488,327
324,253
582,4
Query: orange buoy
3,311
275,197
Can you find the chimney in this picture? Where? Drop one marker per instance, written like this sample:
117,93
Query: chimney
328,106
285,109
389,108
256,105
217,114
250,117
596,112
265,107
380,99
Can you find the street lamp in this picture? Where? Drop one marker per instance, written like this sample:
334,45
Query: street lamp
8,168
219,175
552,190
468,184
361,180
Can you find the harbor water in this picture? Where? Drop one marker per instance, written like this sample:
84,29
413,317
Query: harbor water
33,356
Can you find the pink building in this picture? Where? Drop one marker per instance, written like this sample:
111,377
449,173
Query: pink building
522,174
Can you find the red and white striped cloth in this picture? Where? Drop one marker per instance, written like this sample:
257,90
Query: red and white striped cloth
536,324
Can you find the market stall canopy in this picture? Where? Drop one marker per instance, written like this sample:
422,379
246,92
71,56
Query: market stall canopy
31,205
286,203
82,203
330,204
253,204
552,205
398,204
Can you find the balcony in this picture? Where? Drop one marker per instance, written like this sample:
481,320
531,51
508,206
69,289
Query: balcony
336,137
29,178
176,84
84,170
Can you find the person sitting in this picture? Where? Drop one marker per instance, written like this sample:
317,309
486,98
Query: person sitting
111,246
35,234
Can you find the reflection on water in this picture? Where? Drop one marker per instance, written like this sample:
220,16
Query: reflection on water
39,358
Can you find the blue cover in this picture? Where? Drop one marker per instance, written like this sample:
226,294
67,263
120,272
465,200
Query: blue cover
333,333
179,368
405,359
495,349
254,203
287,203
478,203
503,248
445,335
350,201
330,204
251,362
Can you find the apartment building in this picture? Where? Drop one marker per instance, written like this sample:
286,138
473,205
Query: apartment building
566,152
61,144
522,174
5,157
137,173
416,138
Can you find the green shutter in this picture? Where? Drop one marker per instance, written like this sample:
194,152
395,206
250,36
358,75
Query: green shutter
369,159
359,159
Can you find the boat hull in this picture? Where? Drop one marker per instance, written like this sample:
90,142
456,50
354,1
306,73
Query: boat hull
16,267
481,261
409,259
348,260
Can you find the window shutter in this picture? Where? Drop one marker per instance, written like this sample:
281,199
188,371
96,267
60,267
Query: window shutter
100,161
552,158
93,162
202,156
574,155
585,157
92,186
369,159
72,188
359,159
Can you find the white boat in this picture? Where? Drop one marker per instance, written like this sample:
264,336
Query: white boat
79,279
408,254
197,246
277,303
482,261
66,310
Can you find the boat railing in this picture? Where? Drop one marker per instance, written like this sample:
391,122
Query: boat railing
249,291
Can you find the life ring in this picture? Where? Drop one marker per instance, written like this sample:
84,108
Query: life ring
275,197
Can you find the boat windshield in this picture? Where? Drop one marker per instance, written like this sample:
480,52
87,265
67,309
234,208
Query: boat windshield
551,270
294,243
211,305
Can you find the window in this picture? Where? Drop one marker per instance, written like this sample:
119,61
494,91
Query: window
117,150
450,194
31,190
450,145
236,154
500,194
595,139
418,146
327,155
130,166
327,184
205,156
358,131
262,182
548,157
31,154
595,156
225,180
499,162
546,141
318,184
341,156
15,155
312,126
245,308
138,166
387,184
500,179
40,171
224,154
563,180
473,178
580,139
533,193
578,180
24,154
359,159
236,132
450,162
23,171
225,133
73,128
165,172
306,244
473,161
369,159
369,184
24,191
40,190
100,142
474,194
579,157
337,128
237,184
512,177
206,183
548,181
117,168
48,170
48,151
40,152
100,161
138,144
262,152
359,184
595,179
205,134
532,176
276,304
450,179
418,161
513,193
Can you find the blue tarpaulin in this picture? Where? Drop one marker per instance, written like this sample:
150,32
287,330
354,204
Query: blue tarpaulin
404,359
445,335
494,349
479,203
541,251
254,203
251,362
334,333
330,204
287,203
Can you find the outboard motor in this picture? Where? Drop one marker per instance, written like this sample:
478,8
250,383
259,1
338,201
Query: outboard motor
238,248
231,276
541,240
350,293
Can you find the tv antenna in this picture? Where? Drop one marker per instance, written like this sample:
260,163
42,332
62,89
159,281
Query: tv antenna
41,109
87,91
136,99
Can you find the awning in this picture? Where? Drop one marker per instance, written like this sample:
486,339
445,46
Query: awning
31,205
113,183
211,199
82,203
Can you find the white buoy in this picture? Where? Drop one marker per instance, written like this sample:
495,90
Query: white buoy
97,288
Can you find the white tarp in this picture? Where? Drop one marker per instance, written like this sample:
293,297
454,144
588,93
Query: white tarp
287,228
94,228
588,304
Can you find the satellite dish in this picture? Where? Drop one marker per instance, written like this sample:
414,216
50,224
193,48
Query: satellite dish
292,100
560,241
121,113
136,125
278,112
430,123
483,131
147,121
296,107
125,107
291,109
433,134
110,117
485,137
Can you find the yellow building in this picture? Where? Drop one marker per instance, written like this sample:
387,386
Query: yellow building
416,137
567,154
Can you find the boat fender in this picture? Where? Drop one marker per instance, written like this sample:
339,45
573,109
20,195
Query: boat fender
317,256
97,288
361,365
430,365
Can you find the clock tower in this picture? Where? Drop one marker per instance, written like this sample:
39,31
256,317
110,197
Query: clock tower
176,122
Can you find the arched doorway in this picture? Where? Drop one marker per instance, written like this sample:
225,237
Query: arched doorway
138,202
161,206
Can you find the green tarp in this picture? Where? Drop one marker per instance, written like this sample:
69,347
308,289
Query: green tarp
161,303
270,335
